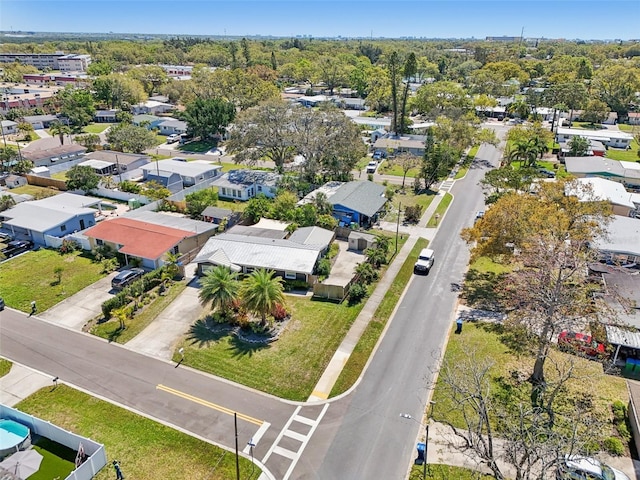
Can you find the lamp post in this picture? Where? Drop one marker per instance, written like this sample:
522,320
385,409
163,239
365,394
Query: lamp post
251,445
426,434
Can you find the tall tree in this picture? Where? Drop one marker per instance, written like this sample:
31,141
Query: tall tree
595,111
616,85
118,91
77,105
261,291
220,287
152,77
274,62
393,67
410,69
246,52
130,138
82,178
208,117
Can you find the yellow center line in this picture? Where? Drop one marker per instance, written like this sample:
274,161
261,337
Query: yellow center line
220,408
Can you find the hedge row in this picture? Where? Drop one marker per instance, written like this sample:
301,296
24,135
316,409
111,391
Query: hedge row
137,288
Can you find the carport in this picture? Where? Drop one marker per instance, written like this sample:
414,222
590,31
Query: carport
626,340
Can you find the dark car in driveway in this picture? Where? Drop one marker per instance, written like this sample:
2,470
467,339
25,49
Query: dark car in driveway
16,247
126,277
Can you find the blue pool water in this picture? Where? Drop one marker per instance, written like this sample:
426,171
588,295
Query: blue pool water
12,434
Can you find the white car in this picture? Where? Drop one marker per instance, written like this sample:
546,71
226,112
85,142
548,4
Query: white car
174,137
424,262
371,168
577,467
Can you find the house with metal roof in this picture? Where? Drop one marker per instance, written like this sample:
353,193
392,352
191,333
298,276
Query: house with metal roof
358,202
600,189
38,122
191,173
622,243
56,216
611,138
106,116
152,107
9,127
289,259
123,162
627,173
245,184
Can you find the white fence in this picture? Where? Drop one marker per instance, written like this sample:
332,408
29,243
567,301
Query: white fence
96,457
56,242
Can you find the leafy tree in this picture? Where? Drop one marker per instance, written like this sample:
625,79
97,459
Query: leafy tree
393,66
130,138
596,111
156,191
89,141
519,108
246,52
261,292
220,287
6,202
442,99
59,129
257,208
77,105
499,181
333,72
208,117
322,204
82,178
16,114
22,166
379,90
118,91
152,77
406,162
263,132
547,289
27,129
616,85
8,156
99,68
579,146
198,201
14,72
284,206
274,62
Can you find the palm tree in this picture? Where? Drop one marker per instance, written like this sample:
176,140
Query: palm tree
261,292
123,314
526,151
322,204
6,202
57,128
220,287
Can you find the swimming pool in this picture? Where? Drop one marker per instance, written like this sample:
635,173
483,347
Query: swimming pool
12,435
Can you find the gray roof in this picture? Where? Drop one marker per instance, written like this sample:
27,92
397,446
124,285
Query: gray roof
106,113
66,200
363,197
251,231
42,217
601,165
172,221
39,118
256,252
117,157
145,118
96,164
60,150
186,169
172,122
365,236
623,237
601,189
312,236
8,123
216,212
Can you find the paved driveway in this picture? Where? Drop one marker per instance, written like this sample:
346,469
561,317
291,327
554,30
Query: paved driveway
78,309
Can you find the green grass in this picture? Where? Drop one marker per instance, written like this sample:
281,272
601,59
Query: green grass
35,191
58,461
236,206
390,168
362,163
625,155
587,126
407,199
464,168
157,157
198,147
446,472
289,367
31,277
111,329
362,351
440,210
147,450
5,366
97,127
628,128
59,176
561,171
486,265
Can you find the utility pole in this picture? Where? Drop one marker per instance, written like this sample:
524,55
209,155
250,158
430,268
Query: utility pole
398,224
235,424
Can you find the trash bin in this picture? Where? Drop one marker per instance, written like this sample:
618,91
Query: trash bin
421,448
628,367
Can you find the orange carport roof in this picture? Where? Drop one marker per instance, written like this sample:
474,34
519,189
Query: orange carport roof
140,239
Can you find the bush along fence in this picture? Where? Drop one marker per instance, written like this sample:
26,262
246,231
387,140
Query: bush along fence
135,290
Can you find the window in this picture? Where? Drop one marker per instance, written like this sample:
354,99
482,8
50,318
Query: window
63,228
99,242
175,250
290,275
259,188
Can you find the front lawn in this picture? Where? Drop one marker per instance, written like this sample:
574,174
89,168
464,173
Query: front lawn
406,199
625,155
440,210
362,351
32,276
291,366
36,192
97,127
388,167
111,329
446,472
146,450
200,146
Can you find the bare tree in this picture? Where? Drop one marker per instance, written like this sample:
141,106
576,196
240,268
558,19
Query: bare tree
406,162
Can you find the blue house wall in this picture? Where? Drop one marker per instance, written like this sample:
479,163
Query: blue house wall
73,225
346,216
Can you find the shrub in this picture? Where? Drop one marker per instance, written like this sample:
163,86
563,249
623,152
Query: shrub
413,213
103,251
289,285
69,246
623,431
109,265
367,273
356,293
279,312
614,446
324,267
333,250
619,410
137,288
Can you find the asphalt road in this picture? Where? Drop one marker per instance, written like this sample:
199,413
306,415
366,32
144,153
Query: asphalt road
372,440
355,437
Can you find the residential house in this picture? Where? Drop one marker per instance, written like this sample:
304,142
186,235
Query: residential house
312,101
39,122
221,216
259,230
492,112
170,180
313,236
172,126
152,107
378,133
14,181
289,259
245,184
191,173
54,155
149,121
353,203
622,243
106,116
350,103
99,166
413,144
627,173
611,138
634,118
596,188
122,162
9,127
55,216
149,236
595,148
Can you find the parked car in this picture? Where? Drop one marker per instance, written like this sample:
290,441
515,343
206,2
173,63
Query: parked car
126,277
5,237
379,154
424,262
581,342
16,247
586,468
173,138
547,173
371,167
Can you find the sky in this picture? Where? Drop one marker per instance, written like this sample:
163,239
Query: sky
570,19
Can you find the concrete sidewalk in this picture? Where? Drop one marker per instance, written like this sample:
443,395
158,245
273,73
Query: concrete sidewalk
21,382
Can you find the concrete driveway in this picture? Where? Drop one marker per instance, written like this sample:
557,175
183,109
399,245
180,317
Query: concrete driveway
78,309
